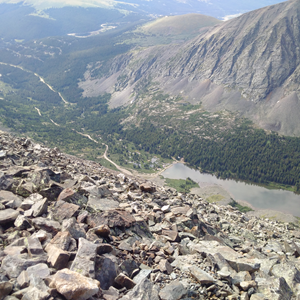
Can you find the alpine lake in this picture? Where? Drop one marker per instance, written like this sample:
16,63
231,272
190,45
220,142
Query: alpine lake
257,197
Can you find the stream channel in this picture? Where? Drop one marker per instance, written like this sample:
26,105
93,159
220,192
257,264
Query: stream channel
259,197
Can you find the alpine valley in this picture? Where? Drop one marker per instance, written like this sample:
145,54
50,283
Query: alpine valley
113,79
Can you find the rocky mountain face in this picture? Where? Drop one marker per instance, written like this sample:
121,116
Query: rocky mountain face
249,64
71,229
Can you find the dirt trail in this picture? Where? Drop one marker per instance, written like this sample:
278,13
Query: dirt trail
86,135
117,166
41,79
54,123
39,112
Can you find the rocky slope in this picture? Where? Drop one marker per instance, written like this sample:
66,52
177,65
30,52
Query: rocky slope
249,64
71,229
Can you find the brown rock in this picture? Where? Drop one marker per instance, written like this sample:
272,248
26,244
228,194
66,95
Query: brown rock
61,240
171,234
102,230
104,248
147,188
82,217
74,286
5,288
180,210
246,285
124,281
58,258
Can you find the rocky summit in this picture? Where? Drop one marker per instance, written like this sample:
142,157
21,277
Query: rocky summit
71,229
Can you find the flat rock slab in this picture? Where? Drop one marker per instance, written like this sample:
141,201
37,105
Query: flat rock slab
171,234
201,276
102,204
112,218
213,247
180,210
143,274
71,226
173,291
184,262
8,196
97,191
8,215
57,257
244,264
34,246
274,288
61,240
64,210
14,265
33,293
144,290
39,208
39,270
288,271
70,196
46,224
73,285
107,270
84,262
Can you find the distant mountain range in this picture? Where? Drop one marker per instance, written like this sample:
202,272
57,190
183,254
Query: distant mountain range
249,64
217,8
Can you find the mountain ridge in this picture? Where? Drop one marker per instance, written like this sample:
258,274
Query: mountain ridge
249,64
215,8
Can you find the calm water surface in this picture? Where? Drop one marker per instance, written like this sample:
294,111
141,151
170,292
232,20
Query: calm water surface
257,196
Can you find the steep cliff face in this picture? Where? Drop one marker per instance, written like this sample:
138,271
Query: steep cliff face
256,52
249,64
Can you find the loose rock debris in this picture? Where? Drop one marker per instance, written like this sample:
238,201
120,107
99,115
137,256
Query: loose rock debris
71,229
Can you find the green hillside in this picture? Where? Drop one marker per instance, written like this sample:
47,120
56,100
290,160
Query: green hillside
170,29
188,24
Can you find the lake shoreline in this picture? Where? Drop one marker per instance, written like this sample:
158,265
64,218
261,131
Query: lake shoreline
272,203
